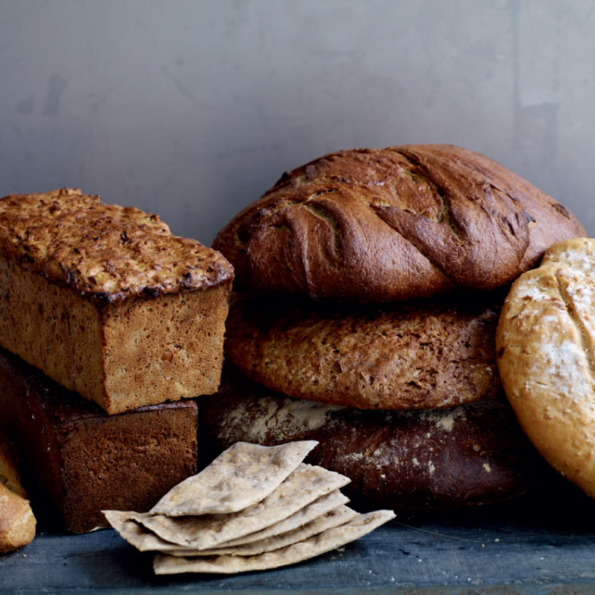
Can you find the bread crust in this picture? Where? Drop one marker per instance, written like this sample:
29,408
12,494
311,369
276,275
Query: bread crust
105,301
393,224
546,358
17,522
85,461
402,460
103,252
413,355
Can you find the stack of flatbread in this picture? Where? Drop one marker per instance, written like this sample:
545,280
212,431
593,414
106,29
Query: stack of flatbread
253,508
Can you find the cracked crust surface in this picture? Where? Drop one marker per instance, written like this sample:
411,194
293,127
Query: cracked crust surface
105,252
412,355
393,224
402,460
546,357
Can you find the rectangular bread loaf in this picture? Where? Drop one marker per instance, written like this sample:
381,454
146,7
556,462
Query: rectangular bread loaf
107,302
86,461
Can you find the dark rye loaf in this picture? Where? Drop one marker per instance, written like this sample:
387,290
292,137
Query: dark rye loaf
86,461
394,224
407,355
410,460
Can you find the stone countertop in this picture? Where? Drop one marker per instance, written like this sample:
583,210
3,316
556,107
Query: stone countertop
542,543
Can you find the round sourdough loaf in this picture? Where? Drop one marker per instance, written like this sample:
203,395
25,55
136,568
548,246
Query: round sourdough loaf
402,460
393,224
407,355
546,357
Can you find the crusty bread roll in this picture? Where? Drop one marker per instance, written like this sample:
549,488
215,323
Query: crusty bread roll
107,302
394,224
408,355
17,523
546,357
402,460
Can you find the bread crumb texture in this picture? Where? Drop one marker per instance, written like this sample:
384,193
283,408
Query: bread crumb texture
546,358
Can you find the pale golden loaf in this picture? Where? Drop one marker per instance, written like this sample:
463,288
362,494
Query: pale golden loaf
546,357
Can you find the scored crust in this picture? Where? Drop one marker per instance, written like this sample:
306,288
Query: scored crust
415,355
546,357
393,224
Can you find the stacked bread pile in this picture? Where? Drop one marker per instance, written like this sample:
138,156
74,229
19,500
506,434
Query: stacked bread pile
104,316
252,508
370,284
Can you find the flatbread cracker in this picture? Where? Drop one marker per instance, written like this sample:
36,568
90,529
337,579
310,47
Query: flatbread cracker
319,507
303,486
145,541
238,478
325,542
135,534
333,518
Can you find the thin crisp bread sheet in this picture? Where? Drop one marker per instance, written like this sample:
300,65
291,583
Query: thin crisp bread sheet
325,542
310,512
303,486
330,520
145,540
238,478
135,534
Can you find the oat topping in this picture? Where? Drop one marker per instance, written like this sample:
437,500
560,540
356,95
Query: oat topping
106,252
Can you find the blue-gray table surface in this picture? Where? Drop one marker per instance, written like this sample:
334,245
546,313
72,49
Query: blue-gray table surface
539,543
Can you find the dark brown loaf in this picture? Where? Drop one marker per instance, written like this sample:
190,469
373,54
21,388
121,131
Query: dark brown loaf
417,460
107,302
86,461
406,355
393,224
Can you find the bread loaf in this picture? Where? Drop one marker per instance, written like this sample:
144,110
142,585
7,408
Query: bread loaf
407,355
546,357
86,461
413,460
107,302
17,523
393,224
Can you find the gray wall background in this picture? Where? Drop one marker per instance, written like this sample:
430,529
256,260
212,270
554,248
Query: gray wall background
193,108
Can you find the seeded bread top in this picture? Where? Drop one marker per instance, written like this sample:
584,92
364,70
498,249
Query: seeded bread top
106,252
